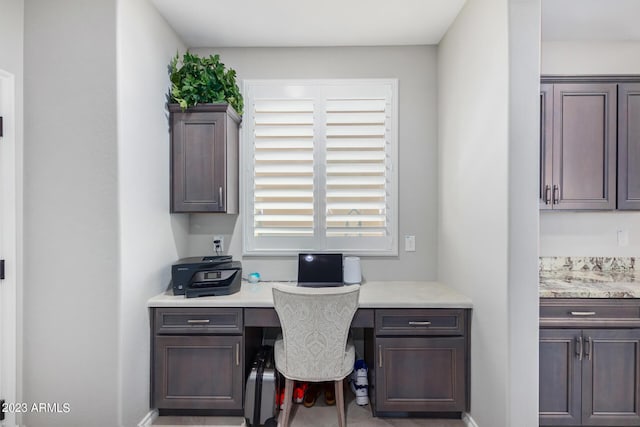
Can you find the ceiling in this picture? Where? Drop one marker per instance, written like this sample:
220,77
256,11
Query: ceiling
591,20
287,23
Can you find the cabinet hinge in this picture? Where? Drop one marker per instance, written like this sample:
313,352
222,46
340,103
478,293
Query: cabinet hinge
1,269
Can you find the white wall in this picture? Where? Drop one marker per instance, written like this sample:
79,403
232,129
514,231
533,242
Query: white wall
473,218
589,233
415,67
524,146
11,61
590,57
71,210
151,239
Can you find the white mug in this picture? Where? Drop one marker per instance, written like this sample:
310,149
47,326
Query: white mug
352,270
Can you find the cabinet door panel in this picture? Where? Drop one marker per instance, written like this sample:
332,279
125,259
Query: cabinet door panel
420,374
546,145
560,377
199,160
584,146
629,146
198,372
611,380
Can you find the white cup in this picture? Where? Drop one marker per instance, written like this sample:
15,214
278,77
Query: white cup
352,270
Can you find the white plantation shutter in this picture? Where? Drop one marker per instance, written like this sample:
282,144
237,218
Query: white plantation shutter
319,173
283,167
357,167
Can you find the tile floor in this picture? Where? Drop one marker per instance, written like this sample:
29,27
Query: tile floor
318,416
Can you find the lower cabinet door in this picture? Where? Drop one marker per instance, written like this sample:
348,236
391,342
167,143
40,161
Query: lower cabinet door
611,378
560,377
198,372
420,374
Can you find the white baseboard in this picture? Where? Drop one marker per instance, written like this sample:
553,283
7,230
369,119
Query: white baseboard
148,419
468,420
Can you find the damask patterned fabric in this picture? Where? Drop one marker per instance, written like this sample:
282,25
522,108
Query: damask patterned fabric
315,326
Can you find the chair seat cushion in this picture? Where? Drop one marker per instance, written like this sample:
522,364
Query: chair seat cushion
327,373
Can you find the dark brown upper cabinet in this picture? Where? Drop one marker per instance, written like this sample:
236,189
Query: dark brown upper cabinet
629,146
204,158
578,153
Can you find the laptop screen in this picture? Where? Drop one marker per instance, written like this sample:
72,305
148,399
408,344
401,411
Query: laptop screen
320,269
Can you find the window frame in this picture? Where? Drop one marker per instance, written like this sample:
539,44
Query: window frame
294,245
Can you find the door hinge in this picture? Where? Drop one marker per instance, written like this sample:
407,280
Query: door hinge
2,410
1,269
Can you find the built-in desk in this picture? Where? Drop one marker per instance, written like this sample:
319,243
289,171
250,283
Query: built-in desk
416,344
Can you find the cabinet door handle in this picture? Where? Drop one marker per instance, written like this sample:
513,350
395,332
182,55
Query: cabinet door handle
198,321
414,323
547,194
237,354
583,313
556,195
588,348
220,196
579,347
380,356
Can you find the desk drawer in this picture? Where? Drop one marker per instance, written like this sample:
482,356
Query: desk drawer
417,322
198,320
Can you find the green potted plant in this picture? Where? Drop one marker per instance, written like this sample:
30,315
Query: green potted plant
202,80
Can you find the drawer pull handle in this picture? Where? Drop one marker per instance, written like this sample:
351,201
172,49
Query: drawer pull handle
547,195
425,323
192,321
583,313
579,347
380,356
589,348
237,354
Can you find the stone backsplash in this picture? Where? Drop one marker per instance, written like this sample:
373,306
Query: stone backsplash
587,264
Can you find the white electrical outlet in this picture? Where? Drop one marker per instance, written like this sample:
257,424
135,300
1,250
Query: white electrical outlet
410,243
218,244
623,238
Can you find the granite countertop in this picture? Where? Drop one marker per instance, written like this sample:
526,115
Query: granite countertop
388,294
589,277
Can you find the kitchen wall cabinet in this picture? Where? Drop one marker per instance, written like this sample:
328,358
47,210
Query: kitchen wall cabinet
589,363
578,146
420,360
629,146
204,158
546,146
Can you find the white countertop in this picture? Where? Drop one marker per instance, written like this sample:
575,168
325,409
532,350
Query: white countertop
388,294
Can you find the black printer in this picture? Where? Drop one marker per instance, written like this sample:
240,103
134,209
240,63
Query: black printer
206,276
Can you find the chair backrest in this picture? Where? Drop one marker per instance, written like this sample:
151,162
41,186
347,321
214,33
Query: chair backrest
315,327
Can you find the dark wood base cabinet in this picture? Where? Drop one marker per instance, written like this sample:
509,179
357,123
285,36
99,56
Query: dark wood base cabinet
420,362
418,358
201,372
590,377
197,360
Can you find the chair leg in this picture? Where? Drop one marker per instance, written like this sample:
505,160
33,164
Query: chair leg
286,405
342,419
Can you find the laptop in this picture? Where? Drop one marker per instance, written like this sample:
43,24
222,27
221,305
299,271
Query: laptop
319,270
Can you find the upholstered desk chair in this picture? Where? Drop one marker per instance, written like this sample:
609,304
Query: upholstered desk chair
314,347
